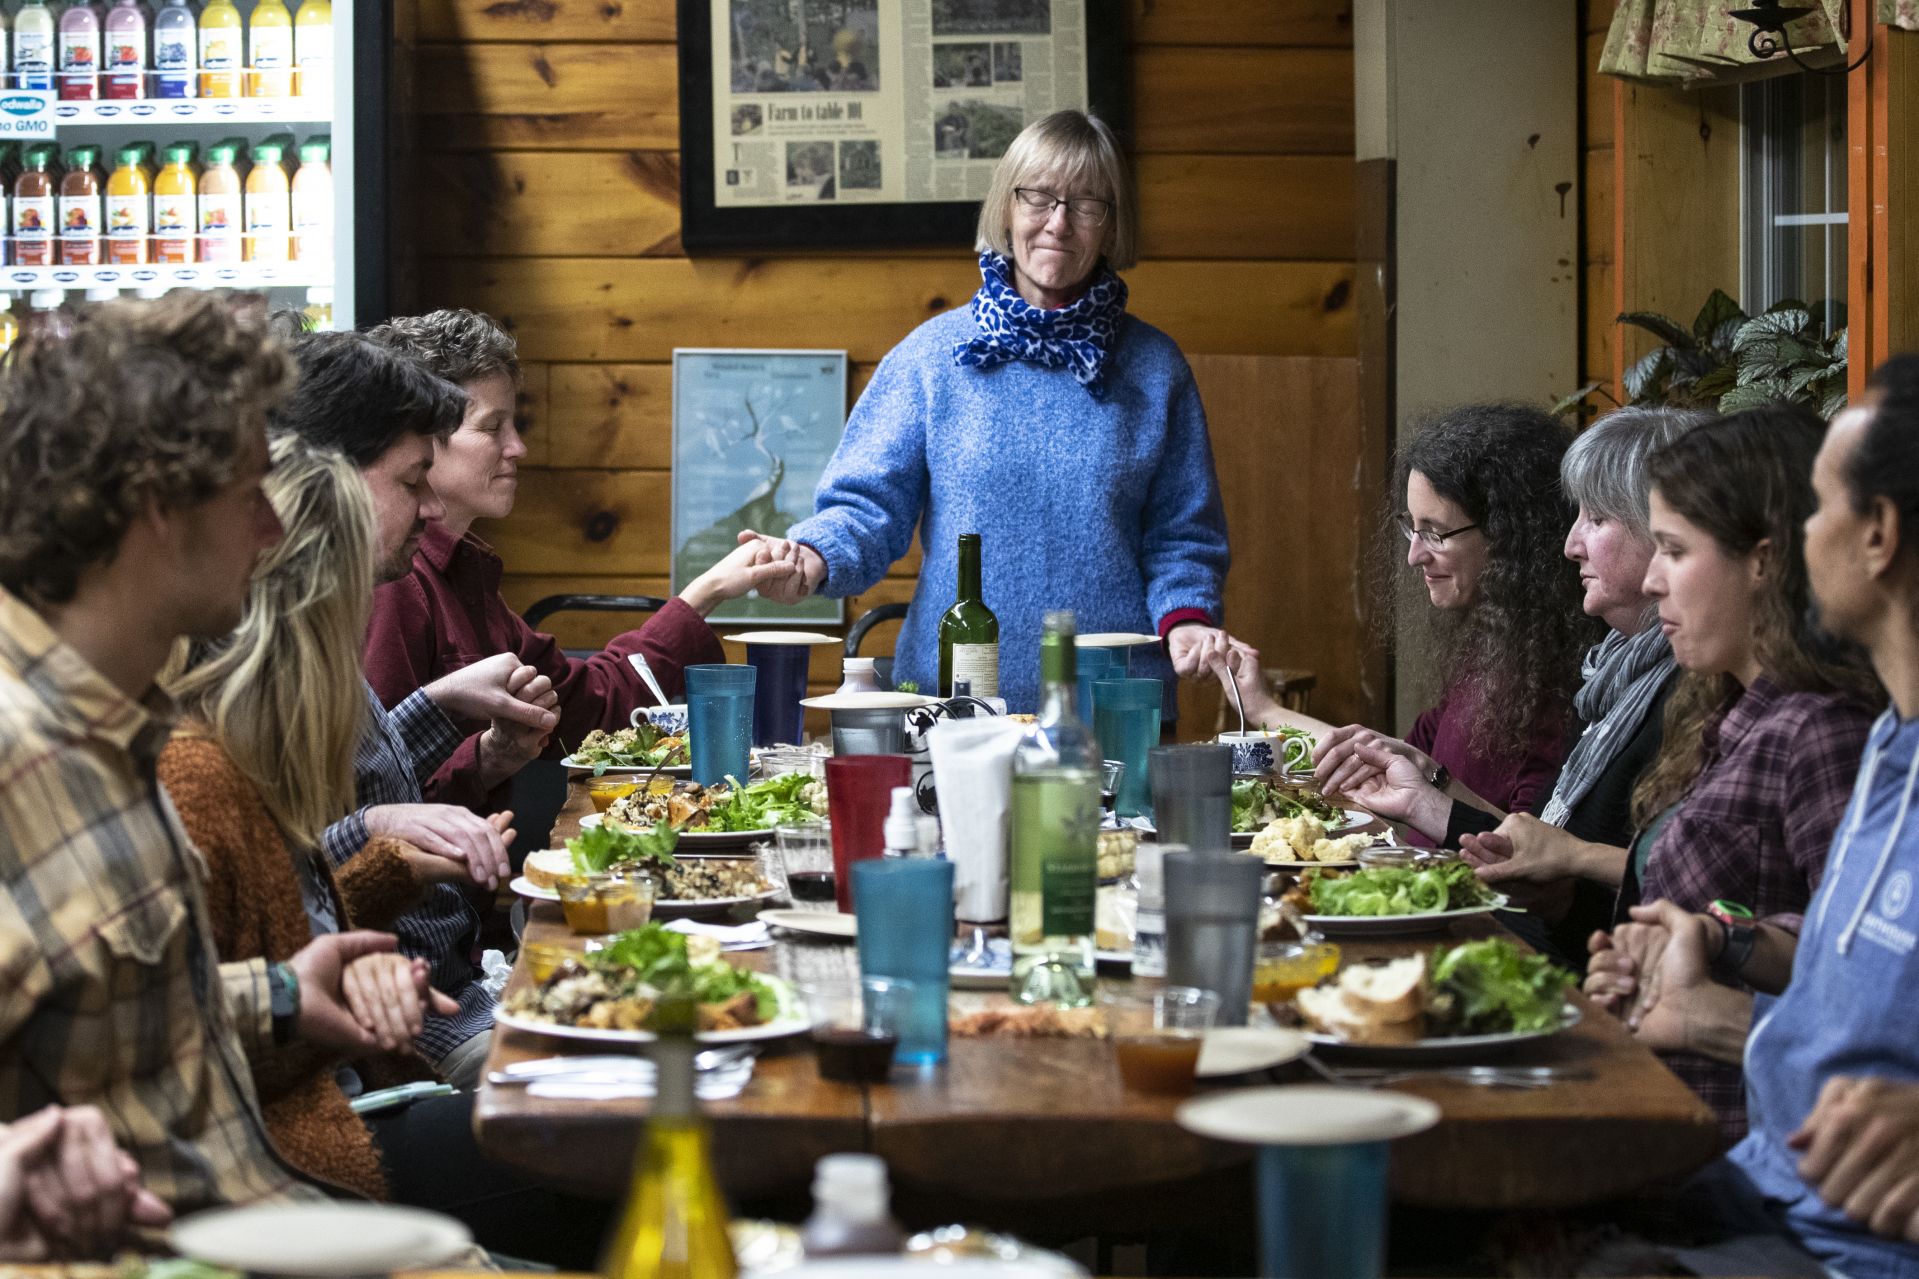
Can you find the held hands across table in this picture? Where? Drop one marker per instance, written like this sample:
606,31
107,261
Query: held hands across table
1657,970
498,688
802,573
1198,651
754,565
509,745
1346,755
388,996
356,1015
472,845
66,1191
1860,1150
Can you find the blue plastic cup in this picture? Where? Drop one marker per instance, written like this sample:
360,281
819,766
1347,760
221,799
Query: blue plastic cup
1096,664
1322,1211
719,718
1126,721
778,717
905,911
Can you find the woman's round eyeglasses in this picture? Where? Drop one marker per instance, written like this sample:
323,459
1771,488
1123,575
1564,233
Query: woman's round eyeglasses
1085,210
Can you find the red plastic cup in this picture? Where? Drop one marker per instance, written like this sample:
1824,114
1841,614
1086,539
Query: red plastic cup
859,792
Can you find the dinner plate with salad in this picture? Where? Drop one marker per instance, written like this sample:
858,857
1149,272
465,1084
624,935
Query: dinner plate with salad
642,748
1391,899
724,815
682,886
611,995
1452,1003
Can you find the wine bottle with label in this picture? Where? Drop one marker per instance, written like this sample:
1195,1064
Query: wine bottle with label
674,1222
969,633
1055,837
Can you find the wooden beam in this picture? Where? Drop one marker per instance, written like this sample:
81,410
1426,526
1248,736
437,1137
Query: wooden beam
639,309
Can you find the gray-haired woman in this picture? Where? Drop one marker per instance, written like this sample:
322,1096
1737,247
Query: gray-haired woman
1626,675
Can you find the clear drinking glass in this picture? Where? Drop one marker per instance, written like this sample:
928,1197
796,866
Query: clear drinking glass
1126,724
856,1026
1157,1035
804,851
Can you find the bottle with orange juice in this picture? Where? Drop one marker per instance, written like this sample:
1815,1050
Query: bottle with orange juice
270,50
129,210
269,206
175,215
219,206
313,49
313,203
220,43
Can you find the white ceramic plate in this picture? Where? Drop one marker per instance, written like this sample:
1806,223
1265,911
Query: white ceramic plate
866,701
820,923
782,637
1273,863
1351,820
1239,1050
1307,1115
1457,1048
790,1020
628,770
695,840
320,1238
1357,925
1114,639
661,909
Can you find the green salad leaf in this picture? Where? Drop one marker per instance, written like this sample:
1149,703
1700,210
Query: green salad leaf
762,805
641,745
657,956
1256,803
600,848
1397,890
1492,987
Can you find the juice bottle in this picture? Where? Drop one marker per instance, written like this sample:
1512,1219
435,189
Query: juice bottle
173,50
33,46
269,209
80,209
129,210
79,42
126,61
313,49
9,325
220,50
34,210
174,212
46,322
270,50
313,204
219,206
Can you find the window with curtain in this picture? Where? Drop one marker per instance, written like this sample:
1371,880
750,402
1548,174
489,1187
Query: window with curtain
1793,197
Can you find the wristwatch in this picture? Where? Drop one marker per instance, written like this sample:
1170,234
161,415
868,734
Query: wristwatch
1441,777
283,989
1738,934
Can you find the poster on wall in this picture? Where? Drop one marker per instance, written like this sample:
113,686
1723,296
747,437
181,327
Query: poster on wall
752,432
823,122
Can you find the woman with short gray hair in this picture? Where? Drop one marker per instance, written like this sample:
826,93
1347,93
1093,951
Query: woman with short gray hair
1626,676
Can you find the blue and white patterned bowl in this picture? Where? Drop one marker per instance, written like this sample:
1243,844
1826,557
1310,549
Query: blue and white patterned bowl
1252,751
670,720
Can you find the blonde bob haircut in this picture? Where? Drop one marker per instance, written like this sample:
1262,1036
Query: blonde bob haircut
284,695
1076,153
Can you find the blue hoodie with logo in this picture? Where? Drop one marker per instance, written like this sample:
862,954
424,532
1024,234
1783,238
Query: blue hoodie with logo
1850,1008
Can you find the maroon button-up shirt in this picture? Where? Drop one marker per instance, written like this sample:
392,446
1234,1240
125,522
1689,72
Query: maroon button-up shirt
1755,829
448,613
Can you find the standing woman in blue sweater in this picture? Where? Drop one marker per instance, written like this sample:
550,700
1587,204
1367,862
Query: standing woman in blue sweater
1042,416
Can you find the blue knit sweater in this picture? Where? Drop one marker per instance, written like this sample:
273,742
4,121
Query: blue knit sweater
1109,507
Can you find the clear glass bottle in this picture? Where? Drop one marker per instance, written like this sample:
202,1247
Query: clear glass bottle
969,631
1055,837
674,1223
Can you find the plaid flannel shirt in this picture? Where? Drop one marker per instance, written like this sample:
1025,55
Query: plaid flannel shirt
1755,829
400,750
114,996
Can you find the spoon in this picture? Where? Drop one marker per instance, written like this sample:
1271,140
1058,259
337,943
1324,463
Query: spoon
1232,686
646,675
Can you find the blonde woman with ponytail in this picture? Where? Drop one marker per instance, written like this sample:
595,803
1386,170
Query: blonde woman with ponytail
263,762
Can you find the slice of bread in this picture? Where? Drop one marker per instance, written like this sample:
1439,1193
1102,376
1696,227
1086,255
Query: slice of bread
544,868
1389,992
1325,1010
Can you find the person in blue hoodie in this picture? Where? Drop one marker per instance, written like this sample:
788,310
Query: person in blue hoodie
1828,1178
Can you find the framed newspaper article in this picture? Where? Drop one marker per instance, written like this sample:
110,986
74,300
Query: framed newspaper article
752,431
860,122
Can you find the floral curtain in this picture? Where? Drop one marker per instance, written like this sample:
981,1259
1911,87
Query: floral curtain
1689,42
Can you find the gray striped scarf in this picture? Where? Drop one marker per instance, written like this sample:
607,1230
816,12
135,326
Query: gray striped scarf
1622,675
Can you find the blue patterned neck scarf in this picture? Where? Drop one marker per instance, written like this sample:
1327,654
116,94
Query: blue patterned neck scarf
1077,337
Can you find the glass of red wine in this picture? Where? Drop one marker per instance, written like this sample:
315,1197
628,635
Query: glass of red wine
804,856
855,1026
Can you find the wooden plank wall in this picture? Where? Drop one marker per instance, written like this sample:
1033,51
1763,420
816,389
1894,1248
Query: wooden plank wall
549,134
1597,332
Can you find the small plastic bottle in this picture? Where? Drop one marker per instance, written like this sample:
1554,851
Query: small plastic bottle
850,1211
903,824
858,676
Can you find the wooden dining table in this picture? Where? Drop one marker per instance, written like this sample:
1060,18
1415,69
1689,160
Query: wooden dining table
1039,1134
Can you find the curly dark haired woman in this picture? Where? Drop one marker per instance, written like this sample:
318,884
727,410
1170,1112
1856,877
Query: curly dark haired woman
1485,521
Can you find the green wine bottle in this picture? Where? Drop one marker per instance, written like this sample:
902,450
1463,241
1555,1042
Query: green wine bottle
1055,837
969,632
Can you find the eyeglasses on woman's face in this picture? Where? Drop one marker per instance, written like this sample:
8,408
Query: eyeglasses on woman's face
1082,210
1431,538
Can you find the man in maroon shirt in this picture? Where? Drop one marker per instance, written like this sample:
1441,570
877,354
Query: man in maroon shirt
447,612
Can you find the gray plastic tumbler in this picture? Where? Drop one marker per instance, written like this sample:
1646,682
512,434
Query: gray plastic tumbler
1193,795
1212,926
